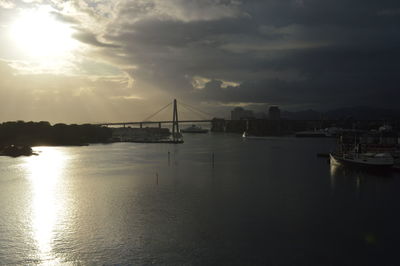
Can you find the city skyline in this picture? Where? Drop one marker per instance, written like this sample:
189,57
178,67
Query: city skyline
104,61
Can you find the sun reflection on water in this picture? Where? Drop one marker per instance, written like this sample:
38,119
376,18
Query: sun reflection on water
45,173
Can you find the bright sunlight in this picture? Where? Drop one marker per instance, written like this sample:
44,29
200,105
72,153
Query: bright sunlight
37,33
45,175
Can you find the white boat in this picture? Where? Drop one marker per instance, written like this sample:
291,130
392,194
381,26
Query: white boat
247,136
194,129
365,149
319,133
372,160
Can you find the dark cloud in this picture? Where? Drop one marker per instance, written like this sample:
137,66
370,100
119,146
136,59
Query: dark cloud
309,53
312,53
330,77
390,12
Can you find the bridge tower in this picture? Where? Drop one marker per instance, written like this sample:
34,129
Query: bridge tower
175,123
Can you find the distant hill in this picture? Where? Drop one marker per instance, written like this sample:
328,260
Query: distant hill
364,113
357,113
302,115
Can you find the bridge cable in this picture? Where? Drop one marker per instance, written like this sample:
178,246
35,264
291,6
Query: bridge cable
196,112
196,109
151,116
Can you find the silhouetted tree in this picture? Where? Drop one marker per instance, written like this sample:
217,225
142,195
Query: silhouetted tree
42,133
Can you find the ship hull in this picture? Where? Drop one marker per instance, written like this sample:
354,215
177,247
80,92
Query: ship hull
338,160
194,131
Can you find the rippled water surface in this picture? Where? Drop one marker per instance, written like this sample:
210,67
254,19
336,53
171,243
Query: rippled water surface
269,202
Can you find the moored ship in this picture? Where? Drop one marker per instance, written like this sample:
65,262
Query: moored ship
371,160
366,149
194,129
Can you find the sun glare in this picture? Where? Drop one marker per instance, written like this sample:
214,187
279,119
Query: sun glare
37,33
45,174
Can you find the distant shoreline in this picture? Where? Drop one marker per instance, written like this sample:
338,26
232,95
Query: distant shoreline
19,136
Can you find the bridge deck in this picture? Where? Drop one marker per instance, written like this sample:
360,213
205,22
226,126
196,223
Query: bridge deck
152,122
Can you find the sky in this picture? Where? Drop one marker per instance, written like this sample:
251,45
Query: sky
92,61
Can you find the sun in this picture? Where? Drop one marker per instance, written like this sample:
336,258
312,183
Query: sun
37,33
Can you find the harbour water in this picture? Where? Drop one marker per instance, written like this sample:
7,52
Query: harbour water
264,202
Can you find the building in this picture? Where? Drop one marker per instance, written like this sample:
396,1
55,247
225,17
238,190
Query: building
240,113
260,115
274,113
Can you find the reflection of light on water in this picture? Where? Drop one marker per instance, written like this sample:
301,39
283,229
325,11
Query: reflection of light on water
333,171
44,173
358,182
337,171
335,168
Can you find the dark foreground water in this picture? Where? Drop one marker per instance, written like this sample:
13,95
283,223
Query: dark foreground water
270,202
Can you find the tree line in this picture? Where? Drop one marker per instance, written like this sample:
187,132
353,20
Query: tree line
43,133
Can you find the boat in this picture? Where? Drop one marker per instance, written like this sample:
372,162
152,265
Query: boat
320,133
178,141
247,136
194,129
371,160
365,149
312,134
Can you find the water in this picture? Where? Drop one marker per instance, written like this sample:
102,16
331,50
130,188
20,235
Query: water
269,202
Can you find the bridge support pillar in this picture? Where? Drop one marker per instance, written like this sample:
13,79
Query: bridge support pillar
141,125
175,123
159,125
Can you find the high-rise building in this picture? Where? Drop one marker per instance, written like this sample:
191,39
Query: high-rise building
274,113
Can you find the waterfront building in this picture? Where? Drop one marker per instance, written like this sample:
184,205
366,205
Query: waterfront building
260,115
274,113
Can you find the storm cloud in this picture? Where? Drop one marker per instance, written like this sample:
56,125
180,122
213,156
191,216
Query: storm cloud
310,53
214,53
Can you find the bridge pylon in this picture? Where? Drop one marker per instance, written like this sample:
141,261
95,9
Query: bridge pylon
175,123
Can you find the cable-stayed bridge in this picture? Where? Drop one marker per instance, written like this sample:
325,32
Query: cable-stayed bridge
205,117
